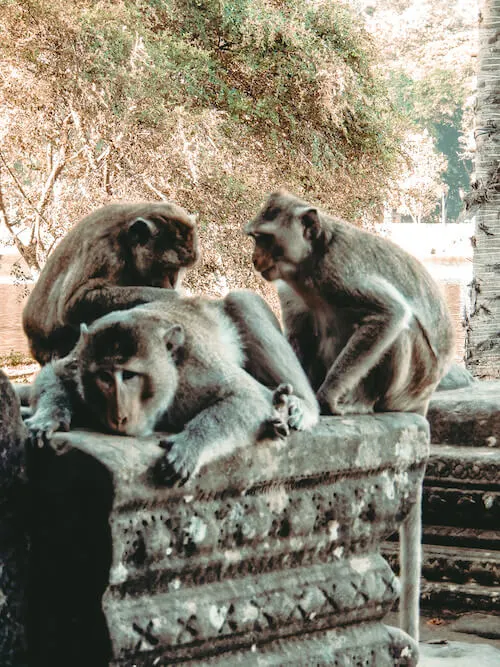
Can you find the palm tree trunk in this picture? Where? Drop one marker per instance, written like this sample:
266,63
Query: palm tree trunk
483,324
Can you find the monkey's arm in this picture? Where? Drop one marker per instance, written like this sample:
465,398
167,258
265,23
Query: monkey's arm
269,356
54,399
239,414
93,300
387,313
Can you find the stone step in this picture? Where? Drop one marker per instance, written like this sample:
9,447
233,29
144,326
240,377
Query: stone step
461,537
442,596
452,465
444,565
469,416
464,508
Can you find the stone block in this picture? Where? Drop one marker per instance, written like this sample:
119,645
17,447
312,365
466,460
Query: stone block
468,416
268,557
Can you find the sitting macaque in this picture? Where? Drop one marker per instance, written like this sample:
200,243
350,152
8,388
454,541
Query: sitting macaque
114,258
176,366
368,323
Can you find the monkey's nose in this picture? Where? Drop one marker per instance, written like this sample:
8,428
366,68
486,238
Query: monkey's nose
118,423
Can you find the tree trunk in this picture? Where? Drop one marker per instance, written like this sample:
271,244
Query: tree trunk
483,324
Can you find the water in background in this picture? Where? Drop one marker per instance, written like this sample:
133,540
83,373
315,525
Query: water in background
452,274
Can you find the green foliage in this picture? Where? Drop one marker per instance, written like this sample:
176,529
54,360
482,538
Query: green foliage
436,102
436,98
296,69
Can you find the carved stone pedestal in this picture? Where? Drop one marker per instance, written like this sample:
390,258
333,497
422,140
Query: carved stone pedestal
269,557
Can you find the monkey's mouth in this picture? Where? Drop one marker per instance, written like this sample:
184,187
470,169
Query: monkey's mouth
167,281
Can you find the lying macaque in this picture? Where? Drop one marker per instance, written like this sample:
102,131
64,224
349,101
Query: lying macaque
175,367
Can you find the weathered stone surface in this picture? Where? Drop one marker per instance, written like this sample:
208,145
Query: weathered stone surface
483,625
452,465
459,598
469,416
363,644
273,551
461,507
13,540
454,564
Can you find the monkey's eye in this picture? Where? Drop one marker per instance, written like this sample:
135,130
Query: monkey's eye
264,240
270,213
128,375
278,252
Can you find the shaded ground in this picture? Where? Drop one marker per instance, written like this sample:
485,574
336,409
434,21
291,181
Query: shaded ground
443,645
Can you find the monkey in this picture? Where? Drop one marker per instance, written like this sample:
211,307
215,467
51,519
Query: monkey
367,322
176,367
119,256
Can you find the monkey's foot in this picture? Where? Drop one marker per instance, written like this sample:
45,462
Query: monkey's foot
273,428
179,462
42,426
291,407
350,402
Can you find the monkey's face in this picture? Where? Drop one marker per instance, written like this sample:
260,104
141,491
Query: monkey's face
284,233
128,372
163,242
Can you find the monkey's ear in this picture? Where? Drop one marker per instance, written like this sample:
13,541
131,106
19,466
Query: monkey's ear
310,221
84,332
174,338
140,231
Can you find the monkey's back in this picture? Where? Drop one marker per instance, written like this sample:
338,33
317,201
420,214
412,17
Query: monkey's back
362,254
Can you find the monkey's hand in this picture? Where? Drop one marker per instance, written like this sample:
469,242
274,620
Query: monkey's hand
290,407
180,460
44,423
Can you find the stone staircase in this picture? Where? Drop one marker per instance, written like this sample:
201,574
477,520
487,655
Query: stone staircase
461,503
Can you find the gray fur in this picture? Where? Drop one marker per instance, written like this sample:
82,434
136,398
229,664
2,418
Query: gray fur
367,321
198,388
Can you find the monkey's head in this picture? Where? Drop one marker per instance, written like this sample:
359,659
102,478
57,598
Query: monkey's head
286,232
128,372
161,241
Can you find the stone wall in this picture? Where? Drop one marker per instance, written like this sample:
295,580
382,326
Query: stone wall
269,557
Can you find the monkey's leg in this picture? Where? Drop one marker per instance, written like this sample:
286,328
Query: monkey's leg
410,558
269,356
389,314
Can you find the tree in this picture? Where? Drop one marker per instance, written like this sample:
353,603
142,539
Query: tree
419,185
483,322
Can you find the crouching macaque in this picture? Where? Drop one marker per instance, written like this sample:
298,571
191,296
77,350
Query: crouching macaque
114,258
176,366
367,321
